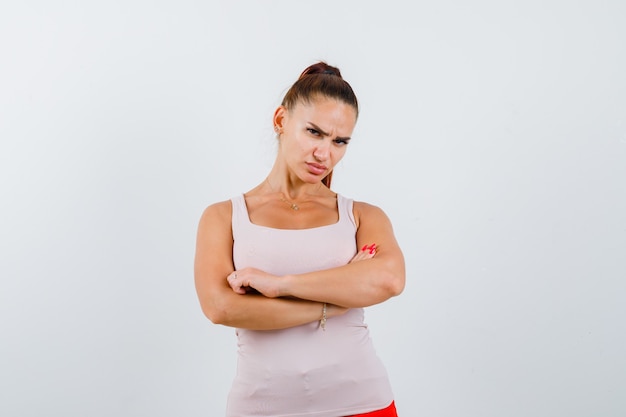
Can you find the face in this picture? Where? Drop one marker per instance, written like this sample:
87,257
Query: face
314,136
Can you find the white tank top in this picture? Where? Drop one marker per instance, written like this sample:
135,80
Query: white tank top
304,371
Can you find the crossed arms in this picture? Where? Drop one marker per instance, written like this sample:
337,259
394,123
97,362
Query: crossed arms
285,301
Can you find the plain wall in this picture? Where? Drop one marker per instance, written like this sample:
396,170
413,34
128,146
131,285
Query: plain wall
493,134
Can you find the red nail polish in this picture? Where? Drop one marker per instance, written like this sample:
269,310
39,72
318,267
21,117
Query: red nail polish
364,247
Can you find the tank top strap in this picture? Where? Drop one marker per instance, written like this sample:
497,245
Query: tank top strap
240,213
345,206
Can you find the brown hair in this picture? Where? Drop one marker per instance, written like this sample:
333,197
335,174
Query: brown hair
323,80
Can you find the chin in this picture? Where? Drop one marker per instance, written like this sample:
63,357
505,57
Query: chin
313,179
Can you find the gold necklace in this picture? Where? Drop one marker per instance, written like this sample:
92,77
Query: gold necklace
291,205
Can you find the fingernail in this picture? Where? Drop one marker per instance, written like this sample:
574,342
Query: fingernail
364,247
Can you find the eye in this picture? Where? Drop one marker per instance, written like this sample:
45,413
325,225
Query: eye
341,142
312,131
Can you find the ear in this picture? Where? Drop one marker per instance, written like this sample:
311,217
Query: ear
279,119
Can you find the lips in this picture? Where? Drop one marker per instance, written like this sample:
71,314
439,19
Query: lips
316,169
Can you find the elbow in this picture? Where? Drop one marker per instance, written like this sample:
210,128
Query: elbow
215,302
215,311
214,316
395,280
394,285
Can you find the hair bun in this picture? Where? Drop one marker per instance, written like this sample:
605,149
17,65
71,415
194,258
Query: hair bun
321,68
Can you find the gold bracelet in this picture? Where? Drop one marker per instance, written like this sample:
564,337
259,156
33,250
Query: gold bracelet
323,319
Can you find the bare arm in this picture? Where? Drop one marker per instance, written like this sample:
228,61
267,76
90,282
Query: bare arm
357,284
213,263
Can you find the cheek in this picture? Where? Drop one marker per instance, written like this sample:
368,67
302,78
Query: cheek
296,145
338,154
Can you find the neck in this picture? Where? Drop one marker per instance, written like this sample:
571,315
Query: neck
290,188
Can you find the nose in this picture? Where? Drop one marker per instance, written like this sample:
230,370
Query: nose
322,151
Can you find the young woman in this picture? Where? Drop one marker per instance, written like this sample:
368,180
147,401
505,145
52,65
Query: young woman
291,264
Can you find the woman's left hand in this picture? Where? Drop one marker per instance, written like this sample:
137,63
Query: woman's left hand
248,280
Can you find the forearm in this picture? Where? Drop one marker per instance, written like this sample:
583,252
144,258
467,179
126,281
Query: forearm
256,312
358,284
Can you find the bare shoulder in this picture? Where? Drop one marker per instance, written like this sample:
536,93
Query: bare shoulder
363,207
368,213
217,215
214,239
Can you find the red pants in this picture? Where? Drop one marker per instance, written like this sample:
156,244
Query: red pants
385,412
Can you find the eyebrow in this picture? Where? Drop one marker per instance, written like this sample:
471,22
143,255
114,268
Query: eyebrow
316,127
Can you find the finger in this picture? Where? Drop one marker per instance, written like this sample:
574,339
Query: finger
238,288
369,248
360,256
235,283
367,252
366,255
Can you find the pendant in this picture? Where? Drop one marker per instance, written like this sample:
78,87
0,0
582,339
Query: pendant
292,206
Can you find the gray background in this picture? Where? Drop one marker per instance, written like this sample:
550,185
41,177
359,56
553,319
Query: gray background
493,133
